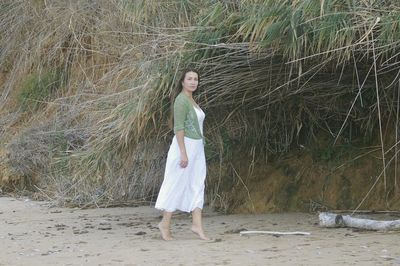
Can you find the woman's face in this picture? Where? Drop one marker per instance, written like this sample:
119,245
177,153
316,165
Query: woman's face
190,82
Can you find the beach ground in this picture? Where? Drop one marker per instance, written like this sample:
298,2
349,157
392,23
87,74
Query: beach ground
32,233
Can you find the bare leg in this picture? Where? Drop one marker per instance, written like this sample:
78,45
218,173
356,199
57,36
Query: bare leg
164,226
197,226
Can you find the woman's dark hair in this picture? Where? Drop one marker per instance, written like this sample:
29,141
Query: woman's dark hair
178,89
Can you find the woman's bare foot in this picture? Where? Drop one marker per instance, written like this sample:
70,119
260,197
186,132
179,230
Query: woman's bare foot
199,231
165,233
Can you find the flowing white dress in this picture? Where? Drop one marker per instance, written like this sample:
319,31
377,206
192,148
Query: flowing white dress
183,188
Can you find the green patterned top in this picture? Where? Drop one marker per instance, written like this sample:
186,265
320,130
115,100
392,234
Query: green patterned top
185,117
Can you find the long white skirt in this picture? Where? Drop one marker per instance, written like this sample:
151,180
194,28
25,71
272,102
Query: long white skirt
183,188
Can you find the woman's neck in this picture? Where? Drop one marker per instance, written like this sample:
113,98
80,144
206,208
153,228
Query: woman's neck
188,94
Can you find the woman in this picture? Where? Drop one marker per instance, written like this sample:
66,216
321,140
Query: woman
185,171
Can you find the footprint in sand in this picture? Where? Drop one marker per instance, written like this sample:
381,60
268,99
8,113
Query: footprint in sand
104,226
80,232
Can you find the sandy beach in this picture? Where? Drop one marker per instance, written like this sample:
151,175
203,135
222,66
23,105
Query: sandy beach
32,233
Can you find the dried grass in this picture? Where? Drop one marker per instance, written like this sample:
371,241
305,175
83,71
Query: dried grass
274,75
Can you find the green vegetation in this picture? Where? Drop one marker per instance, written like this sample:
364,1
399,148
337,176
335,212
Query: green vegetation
38,89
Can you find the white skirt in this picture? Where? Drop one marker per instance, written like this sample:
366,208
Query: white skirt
183,188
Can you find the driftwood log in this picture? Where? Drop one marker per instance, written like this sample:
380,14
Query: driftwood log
274,233
336,220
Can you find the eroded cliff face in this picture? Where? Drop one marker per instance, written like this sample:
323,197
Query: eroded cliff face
300,181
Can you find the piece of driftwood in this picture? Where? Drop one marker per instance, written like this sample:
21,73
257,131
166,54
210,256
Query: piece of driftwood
336,220
274,233
366,212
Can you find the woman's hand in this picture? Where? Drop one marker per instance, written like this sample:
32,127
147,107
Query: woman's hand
184,161
180,138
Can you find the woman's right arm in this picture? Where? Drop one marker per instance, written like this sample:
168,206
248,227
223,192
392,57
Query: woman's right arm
180,113
180,135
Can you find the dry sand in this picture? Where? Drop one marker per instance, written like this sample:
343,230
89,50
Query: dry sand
31,233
